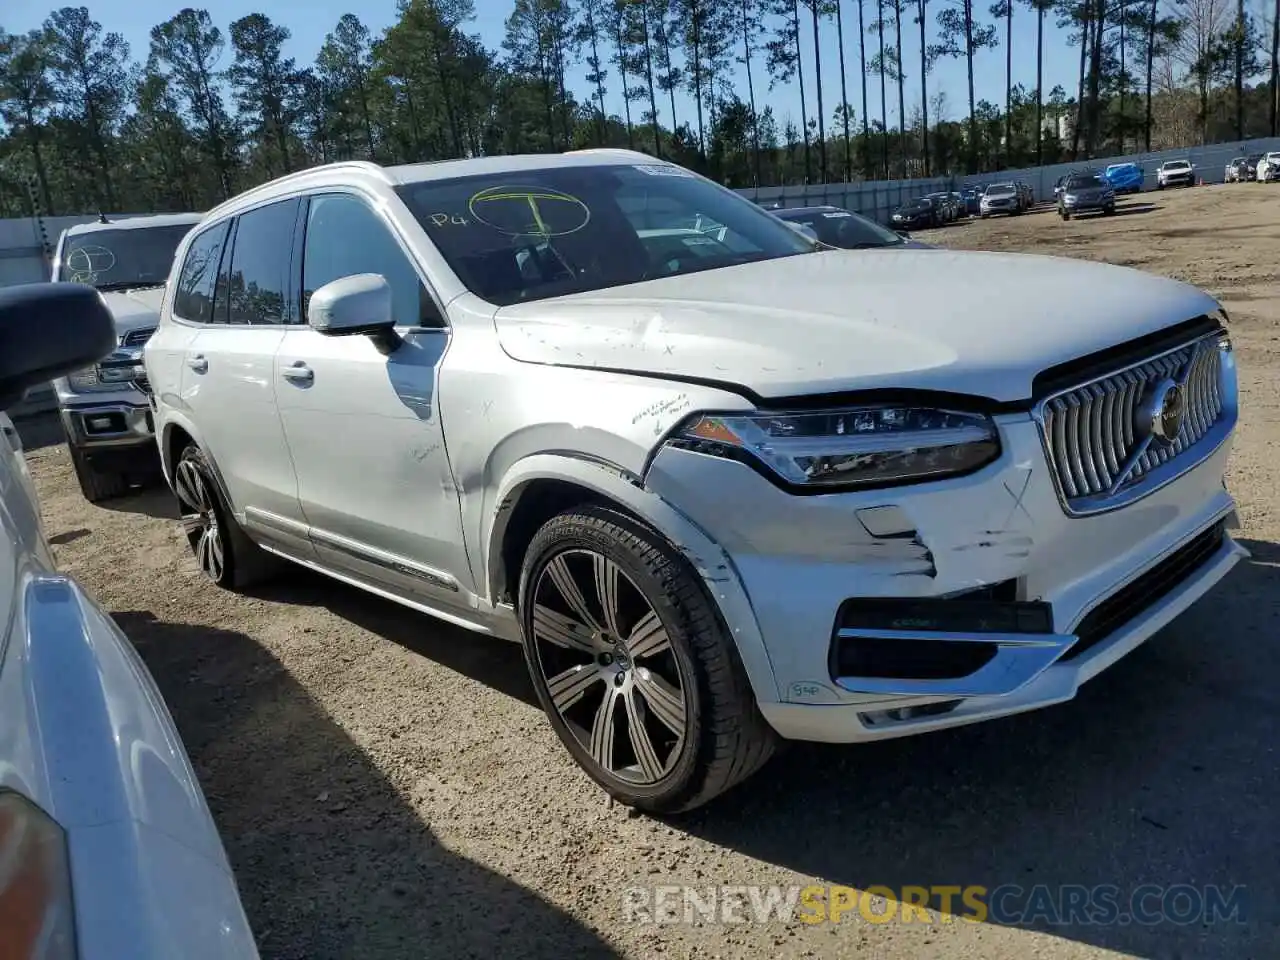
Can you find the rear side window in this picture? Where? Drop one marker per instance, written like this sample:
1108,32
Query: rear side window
193,299
257,284
345,237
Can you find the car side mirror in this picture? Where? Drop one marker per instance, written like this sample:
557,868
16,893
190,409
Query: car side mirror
356,305
903,234
48,330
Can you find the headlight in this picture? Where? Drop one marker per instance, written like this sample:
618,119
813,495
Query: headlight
857,447
115,371
35,883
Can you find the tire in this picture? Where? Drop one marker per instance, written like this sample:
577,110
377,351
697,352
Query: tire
1109,211
222,549
97,485
661,678
1064,214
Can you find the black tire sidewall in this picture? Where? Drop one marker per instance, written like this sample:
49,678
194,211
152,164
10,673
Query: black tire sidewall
569,531
194,455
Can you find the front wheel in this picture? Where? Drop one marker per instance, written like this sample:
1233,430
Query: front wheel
633,666
1064,215
1108,210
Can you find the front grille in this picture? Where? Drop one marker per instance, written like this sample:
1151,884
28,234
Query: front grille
1132,599
136,338
1097,443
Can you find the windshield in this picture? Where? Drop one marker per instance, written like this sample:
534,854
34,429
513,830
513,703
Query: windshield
525,235
117,259
1083,182
1000,190
841,228
1177,164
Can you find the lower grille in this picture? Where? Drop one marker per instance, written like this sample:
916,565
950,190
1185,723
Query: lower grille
1098,436
1158,582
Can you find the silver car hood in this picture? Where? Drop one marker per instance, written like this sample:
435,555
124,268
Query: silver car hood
982,324
134,309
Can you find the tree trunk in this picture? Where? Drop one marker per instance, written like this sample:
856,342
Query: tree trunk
844,93
622,69
368,121
902,101
866,119
884,109
817,74
648,69
1040,83
37,158
1240,38
1151,58
922,9
804,109
1008,80
1095,78
1086,20
696,23
1123,80
973,106
671,88
601,126
1275,68
751,89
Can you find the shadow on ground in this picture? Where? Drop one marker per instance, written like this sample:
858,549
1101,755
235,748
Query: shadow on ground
373,880
40,430
1162,771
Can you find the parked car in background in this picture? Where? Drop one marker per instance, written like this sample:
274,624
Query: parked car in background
1026,195
105,413
1239,170
1124,177
1086,192
1268,168
107,848
972,200
842,228
1001,198
610,459
946,204
917,214
1175,173
957,199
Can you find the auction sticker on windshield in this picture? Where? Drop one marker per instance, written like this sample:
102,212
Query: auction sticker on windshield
664,170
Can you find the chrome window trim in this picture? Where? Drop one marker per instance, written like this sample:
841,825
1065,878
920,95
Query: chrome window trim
1165,473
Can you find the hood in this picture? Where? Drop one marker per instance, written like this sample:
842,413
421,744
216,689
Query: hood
982,324
132,309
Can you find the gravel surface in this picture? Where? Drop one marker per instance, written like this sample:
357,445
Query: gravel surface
385,786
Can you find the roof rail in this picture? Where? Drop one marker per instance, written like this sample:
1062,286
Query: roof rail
367,165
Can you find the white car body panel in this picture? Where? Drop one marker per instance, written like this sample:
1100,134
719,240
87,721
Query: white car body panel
865,322
85,735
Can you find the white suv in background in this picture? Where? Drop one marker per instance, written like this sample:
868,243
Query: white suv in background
105,413
723,492
1268,167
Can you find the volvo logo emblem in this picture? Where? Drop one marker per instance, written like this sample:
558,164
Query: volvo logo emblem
1163,411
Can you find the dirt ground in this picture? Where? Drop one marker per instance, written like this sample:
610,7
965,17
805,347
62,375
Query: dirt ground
385,786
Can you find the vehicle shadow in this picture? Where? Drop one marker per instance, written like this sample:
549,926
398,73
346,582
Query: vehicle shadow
153,499
1126,209
1162,771
362,875
39,430
495,662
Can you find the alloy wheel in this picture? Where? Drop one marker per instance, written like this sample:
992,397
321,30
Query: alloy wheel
609,667
199,520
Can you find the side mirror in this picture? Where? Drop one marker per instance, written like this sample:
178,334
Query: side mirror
356,305
903,234
48,330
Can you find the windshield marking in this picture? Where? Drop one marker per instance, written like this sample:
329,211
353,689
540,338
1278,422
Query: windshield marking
531,196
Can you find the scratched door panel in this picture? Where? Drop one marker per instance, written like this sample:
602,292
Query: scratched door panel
373,476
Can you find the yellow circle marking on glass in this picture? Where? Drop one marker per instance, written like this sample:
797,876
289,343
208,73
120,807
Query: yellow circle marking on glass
537,199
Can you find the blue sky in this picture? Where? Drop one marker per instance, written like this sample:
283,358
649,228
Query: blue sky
309,21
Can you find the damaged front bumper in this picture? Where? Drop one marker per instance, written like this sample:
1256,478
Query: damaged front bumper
885,613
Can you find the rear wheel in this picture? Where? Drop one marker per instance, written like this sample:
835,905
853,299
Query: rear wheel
222,549
630,660
1108,210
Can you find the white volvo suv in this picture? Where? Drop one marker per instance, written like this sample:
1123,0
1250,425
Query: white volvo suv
723,492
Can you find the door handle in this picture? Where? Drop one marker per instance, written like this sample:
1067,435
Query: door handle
298,372
198,363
